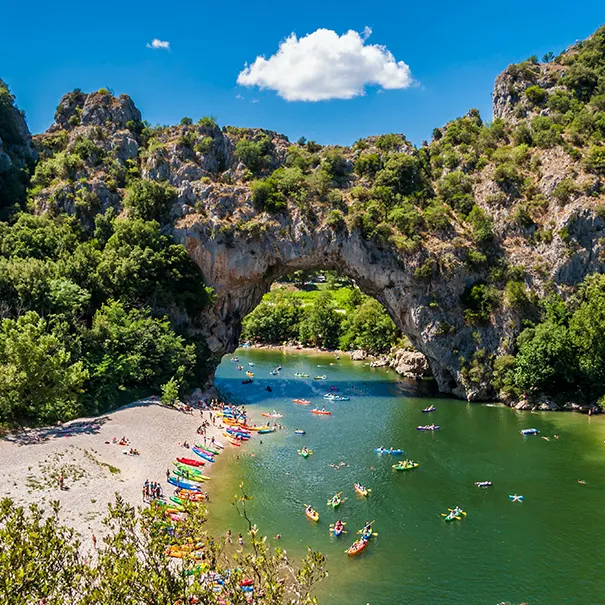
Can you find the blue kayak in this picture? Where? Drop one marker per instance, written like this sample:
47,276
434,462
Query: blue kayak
182,484
202,454
381,450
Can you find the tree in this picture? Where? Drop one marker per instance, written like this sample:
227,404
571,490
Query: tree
40,381
273,322
131,563
369,328
170,391
149,200
321,324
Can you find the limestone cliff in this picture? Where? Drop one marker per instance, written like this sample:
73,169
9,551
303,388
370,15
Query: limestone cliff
457,239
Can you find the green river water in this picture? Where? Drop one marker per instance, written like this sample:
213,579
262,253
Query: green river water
545,550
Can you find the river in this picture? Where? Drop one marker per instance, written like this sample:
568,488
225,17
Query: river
545,550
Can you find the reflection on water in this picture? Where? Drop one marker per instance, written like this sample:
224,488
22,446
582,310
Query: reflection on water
535,551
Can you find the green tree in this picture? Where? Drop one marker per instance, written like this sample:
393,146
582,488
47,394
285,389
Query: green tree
40,381
273,322
320,326
369,328
149,200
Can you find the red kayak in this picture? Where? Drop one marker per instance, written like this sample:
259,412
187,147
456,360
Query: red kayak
190,462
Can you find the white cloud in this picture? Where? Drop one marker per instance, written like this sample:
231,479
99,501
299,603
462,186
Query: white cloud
155,44
323,65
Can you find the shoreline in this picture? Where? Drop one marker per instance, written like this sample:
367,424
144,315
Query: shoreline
95,468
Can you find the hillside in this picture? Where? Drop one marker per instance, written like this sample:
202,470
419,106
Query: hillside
490,231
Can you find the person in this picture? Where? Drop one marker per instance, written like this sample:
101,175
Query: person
167,473
278,537
240,539
61,481
94,541
229,540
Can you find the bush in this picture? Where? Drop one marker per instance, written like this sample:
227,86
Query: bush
595,159
436,217
407,219
255,154
335,164
536,94
336,220
545,133
388,142
482,225
368,164
403,174
516,294
479,300
267,198
426,270
456,189
149,200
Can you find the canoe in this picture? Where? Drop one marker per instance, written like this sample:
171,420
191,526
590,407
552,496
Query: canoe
235,442
201,454
182,484
381,450
516,498
530,431
272,415
431,408
405,467
301,375
301,401
250,374
169,506
188,469
312,514
300,432
191,496
428,427
265,431
357,547
336,501
321,412
323,377
455,514
305,454
338,531
190,462
361,490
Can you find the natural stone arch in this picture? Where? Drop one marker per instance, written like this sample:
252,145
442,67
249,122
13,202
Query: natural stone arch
242,267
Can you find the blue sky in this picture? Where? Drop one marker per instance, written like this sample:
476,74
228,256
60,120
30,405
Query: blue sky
453,49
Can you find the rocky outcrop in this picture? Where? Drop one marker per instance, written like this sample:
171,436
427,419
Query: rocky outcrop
537,219
410,364
17,152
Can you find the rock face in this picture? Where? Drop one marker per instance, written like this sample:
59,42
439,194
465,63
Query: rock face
519,220
17,152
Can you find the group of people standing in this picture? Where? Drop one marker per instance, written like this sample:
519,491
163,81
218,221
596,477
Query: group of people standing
151,490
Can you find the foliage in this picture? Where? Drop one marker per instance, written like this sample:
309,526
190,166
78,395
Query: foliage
274,322
536,94
320,326
254,153
370,328
595,159
130,563
149,200
479,300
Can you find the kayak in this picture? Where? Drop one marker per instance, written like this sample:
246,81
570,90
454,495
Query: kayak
428,427
305,454
272,415
190,476
357,547
300,432
530,431
190,462
361,490
247,381
400,466
312,514
235,442
336,501
206,449
182,484
301,375
301,401
250,374
516,498
192,497
265,431
322,377
188,469
170,506
483,483
201,454
431,408
382,450
332,397
321,412
338,530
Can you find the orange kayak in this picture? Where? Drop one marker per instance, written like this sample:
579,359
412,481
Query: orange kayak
302,401
312,514
357,547
322,412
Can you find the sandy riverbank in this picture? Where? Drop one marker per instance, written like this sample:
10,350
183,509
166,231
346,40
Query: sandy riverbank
94,467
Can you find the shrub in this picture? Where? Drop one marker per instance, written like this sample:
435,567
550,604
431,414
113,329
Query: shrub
536,94
368,164
254,154
456,188
436,217
482,225
336,220
335,164
581,79
388,142
426,270
266,197
545,133
402,173
204,145
595,159
564,190
507,175
516,294
407,219
149,200
479,300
